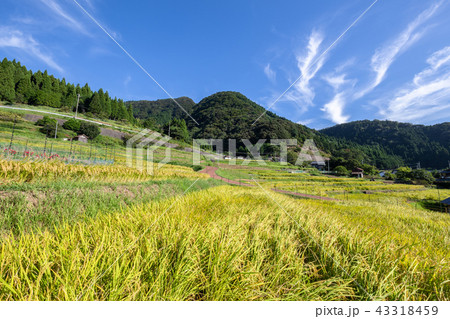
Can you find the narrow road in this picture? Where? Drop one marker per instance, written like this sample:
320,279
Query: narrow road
211,171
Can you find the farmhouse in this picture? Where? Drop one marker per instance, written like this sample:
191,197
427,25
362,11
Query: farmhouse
444,180
446,203
320,165
358,172
81,138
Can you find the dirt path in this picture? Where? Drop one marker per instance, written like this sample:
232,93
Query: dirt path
211,171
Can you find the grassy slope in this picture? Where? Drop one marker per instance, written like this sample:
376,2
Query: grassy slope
45,206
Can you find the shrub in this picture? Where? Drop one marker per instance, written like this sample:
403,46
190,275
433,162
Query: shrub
404,173
72,125
89,129
423,175
46,121
341,170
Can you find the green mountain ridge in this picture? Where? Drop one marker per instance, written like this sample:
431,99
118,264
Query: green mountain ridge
163,110
429,145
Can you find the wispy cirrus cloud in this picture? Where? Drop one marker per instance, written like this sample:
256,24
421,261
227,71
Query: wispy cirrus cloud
385,56
427,97
309,64
15,39
335,108
270,73
67,18
381,61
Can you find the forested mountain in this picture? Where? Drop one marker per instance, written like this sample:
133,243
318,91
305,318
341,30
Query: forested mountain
429,145
162,111
230,115
20,85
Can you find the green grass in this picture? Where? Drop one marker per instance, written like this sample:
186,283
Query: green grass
37,207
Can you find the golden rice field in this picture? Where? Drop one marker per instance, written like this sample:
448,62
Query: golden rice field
48,171
234,243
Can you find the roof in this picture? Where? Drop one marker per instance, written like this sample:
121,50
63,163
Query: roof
318,163
358,170
446,201
82,136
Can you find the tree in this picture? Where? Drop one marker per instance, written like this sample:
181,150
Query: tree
341,171
178,130
72,125
7,85
292,157
89,129
122,113
24,90
423,175
46,120
404,173
369,169
95,104
106,105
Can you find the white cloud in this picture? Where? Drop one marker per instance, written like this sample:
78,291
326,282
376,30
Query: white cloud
336,80
308,65
306,122
335,108
127,80
271,74
427,97
387,54
17,40
66,17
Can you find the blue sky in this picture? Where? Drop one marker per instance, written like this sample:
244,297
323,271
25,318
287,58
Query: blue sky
393,63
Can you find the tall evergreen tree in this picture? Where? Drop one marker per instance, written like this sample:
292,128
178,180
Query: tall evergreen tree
122,113
95,104
107,105
7,85
114,109
24,90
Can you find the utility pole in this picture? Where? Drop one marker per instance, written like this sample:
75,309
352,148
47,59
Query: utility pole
56,129
45,145
78,102
12,134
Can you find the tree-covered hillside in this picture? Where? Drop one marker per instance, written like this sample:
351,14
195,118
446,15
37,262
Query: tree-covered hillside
20,85
162,111
230,115
429,145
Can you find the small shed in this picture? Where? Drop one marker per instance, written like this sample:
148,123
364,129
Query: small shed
358,172
444,180
81,138
446,203
320,165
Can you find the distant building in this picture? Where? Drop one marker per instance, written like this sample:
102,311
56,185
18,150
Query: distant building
358,172
81,138
444,180
446,203
320,165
